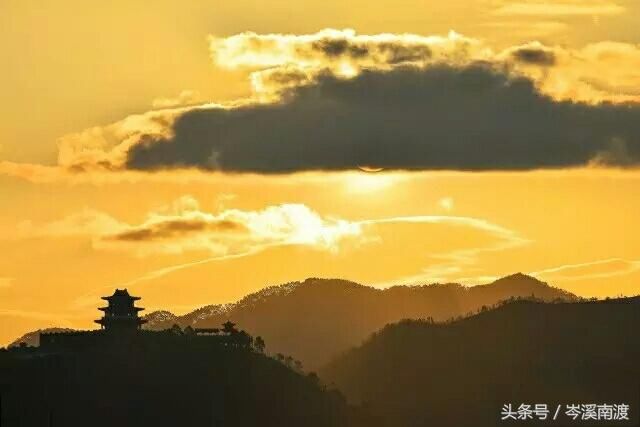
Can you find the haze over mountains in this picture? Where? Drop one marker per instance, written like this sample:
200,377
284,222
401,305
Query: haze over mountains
318,319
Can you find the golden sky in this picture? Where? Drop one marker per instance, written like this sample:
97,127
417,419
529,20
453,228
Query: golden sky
197,151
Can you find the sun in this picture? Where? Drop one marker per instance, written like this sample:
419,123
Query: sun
370,169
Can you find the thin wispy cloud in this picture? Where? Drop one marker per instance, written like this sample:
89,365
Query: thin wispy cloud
527,29
560,8
452,265
184,227
600,269
184,98
36,315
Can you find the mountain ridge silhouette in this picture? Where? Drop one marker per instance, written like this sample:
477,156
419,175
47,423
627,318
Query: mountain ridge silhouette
318,318
419,372
164,378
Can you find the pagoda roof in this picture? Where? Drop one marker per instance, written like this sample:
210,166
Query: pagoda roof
121,319
132,308
121,293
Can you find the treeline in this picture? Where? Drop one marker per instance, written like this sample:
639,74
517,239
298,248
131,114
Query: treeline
461,373
168,378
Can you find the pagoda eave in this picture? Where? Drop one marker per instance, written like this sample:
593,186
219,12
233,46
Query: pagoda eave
121,313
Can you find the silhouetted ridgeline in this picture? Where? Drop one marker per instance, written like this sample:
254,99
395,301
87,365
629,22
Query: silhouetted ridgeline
417,373
169,378
333,315
32,339
121,375
412,373
318,319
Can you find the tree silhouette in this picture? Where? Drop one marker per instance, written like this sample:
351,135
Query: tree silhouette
220,378
288,361
258,344
242,339
229,327
313,377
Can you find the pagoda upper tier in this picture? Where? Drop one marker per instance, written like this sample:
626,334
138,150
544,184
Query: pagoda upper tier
121,314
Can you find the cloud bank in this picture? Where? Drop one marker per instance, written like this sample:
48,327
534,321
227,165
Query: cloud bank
442,117
338,100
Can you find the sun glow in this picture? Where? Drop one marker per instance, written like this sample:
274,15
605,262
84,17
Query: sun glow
367,182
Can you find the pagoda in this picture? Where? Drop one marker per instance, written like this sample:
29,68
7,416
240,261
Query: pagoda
121,314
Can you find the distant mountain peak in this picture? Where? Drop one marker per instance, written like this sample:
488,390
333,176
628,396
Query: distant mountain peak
331,283
33,338
519,277
316,318
524,284
159,316
325,280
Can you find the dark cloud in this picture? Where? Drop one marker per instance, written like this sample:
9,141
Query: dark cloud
398,53
393,52
535,56
340,47
175,229
442,117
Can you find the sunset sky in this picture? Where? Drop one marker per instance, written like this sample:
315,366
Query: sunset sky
197,151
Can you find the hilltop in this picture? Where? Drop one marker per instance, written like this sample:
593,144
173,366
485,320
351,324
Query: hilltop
317,319
418,372
166,378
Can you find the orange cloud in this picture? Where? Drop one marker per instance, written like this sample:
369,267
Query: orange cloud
282,61
600,269
282,65
560,8
185,98
183,227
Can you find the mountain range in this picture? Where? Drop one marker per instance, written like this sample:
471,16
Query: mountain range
462,373
316,320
